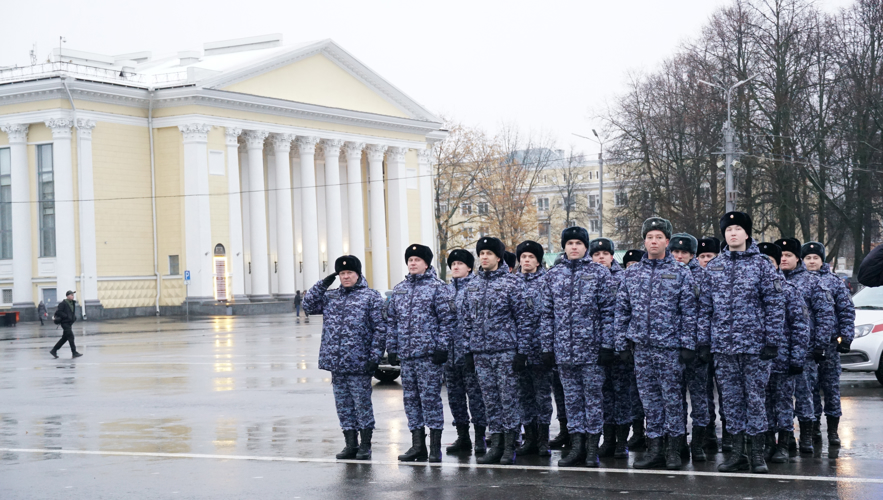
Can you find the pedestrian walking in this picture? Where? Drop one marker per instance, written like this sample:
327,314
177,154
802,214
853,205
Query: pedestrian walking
298,300
41,312
65,315
353,336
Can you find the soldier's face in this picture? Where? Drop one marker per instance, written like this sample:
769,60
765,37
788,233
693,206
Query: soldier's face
682,256
348,278
704,258
773,261
630,264
459,269
489,260
736,238
789,261
655,242
603,257
575,249
529,262
416,265
813,262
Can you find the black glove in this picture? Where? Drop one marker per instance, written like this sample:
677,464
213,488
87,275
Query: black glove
795,370
606,356
548,359
818,355
329,279
769,352
370,366
844,347
686,356
519,362
704,354
440,357
393,359
626,356
469,359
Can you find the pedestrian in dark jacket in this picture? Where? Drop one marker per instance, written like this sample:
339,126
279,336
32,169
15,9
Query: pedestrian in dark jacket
742,317
577,334
870,273
41,311
464,392
421,319
298,300
353,334
65,315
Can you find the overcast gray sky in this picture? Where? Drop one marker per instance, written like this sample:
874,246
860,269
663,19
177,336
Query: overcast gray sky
541,65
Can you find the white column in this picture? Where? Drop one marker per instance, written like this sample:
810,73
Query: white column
63,180
22,262
284,222
246,218
344,202
309,210
88,253
260,280
427,202
397,212
333,217
197,212
354,199
377,209
234,205
294,160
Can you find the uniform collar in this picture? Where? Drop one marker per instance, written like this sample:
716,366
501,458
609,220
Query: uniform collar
428,275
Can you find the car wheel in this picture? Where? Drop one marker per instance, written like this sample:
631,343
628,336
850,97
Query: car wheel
386,376
879,372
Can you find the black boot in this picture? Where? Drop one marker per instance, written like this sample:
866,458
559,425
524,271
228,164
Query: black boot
480,443
435,445
463,444
529,444
673,452
592,449
352,445
509,448
622,438
563,438
805,444
543,440
710,437
364,452
638,441
833,437
577,453
769,444
696,448
417,452
608,446
684,449
780,456
817,429
495,452
737,460
726,438
758,464
54,353
654,457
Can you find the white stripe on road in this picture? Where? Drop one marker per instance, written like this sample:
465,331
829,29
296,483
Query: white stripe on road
453,465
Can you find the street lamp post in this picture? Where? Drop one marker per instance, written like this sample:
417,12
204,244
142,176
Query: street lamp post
600,180
729,141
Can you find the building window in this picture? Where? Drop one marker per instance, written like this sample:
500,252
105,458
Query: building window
594,226
442,210
482,231
482,208
542,205
543,229
593,201
469,232
7,296
466,208
174,270
622,224
46,192
621,199
5,204
570,223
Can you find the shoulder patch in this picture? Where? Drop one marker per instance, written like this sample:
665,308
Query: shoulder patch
696,290
401,292
715,268
472,288
668,276
778,285
829,296
587,277
529,302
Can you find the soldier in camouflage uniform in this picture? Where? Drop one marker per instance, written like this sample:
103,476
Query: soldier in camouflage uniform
638,441
683,248
656,313
498,322
421,318
353,334
535,382
463,384
839,340
821,319
577,333
707,249
616,391
742,316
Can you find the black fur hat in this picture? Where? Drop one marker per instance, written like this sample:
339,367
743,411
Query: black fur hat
415,250
773,250
599,244
348,263
683,241
709,245
530,247
492,244
656,224
575,233
464,256
633,256
789,245
740,219
509,257
813,247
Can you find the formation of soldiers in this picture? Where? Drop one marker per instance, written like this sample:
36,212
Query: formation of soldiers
622,351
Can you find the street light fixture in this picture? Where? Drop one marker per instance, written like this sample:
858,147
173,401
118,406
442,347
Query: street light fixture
600,180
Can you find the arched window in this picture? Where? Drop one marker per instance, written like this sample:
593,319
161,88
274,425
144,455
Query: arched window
219,250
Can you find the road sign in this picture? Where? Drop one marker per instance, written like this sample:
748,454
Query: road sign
186,277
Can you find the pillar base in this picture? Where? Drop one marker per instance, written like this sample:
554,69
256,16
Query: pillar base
241,299
193,299
284,296
260,298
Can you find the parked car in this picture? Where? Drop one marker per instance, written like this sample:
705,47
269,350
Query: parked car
867,348
386,372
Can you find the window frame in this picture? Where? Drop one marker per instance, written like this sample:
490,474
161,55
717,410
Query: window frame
6,204
46,202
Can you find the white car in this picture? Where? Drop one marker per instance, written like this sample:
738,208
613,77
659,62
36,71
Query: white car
867,348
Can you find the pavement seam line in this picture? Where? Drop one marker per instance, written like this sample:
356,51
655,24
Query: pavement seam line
449,465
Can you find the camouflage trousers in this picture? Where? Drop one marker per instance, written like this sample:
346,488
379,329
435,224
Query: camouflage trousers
827,380
696,382
464,395
780,402
558,392
803,393
499,390
352,397
637,404
616,394
743,379
660,378
421,391
713,385
535,392
583,396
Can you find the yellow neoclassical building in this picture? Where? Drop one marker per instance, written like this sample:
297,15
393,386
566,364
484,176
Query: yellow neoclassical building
249,165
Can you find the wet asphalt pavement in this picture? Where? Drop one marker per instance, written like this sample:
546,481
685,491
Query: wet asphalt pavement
237,408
